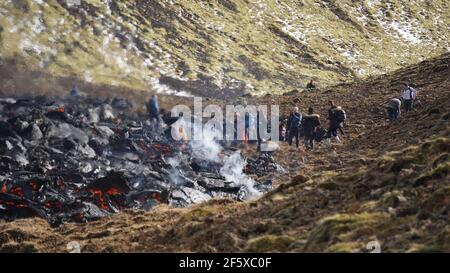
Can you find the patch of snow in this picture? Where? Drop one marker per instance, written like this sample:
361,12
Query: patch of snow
294,31
257,12
361,16
148,62
87,76
289,54
371,3
164,89
39,2
288,66
405,32
26,45
37,25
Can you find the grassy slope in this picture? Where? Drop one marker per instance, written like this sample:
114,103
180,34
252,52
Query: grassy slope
252,46
381,185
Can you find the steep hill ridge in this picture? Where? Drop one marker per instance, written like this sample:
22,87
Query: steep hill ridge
214,48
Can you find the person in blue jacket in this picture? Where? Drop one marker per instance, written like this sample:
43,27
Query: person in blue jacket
294,123
153,110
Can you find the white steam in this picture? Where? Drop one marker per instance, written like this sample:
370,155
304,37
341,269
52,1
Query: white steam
174,176
233,171
208,147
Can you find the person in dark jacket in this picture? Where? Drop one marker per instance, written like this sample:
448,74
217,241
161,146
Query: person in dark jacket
294,123
393,109
283,129
288,125
249,125
310,123
336,116
311,86
153,110
332,130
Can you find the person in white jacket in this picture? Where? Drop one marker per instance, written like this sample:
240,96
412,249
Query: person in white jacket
408,95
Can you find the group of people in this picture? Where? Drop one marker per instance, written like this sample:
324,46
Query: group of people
292,127
295,125
309,126
408,96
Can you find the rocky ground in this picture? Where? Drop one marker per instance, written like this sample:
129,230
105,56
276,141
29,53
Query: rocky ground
386,182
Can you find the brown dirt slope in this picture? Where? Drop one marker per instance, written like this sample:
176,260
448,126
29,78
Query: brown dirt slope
386,182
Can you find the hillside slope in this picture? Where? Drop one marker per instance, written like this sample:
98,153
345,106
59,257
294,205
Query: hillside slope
389,183
213,48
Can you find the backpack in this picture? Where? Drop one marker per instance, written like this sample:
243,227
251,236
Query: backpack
340,114
320,134
412,93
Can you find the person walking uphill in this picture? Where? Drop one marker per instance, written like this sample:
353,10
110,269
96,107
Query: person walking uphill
337,116
153,110
310,123
332,131
294,123
408,95
393,109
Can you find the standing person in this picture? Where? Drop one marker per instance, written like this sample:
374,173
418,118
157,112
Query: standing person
311,86
310,123
249,123
331,109
408,95
332,130
283,127
153,110
393,109
288,125
75,92
235,124
294,123
261,124
337,116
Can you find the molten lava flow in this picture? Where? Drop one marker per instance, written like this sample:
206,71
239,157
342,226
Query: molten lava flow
164,149
53,205
81,216
99,194
11,204
103,196
113,191
17,191
34,185
60,110
156,196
